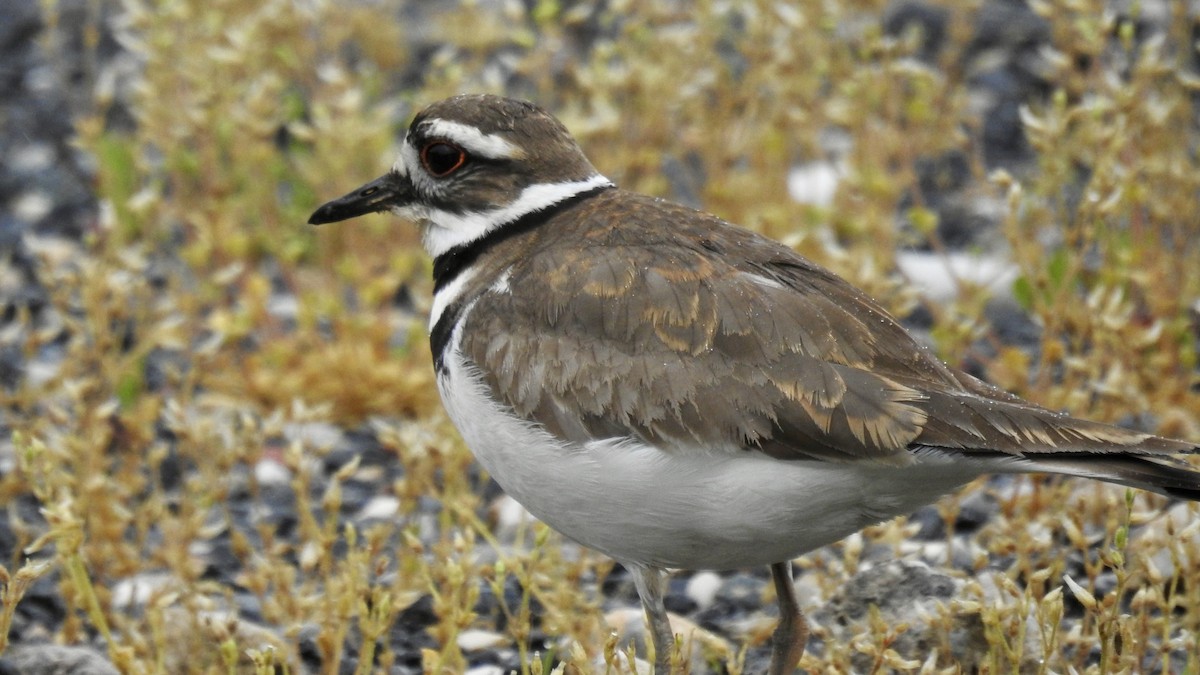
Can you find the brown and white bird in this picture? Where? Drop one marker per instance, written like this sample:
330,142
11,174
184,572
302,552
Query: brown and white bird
677,392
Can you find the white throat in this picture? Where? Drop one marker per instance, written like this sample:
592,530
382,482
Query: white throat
445,230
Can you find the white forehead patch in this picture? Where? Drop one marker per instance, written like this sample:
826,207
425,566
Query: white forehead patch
471,139
407,158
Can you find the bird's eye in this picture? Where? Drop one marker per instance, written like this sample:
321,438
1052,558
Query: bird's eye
442,159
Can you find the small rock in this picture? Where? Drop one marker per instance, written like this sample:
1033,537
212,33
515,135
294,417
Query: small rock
909,593
474,640
894,586
937,276
490,669
139,590
192,638
930,20
50,659
379,507
814,183
741,592
702,588
960,554
269,471
316,435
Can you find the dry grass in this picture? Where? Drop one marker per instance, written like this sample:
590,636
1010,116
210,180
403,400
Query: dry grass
249,114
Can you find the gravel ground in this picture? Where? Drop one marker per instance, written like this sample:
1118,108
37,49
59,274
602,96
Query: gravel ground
48,207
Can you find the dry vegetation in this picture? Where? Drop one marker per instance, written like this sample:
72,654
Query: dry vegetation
249,114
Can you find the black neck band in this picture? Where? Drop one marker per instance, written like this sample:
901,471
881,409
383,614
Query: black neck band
450,264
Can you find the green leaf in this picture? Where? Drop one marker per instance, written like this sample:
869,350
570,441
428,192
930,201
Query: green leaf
130,386
1022,292
1057,268
118,173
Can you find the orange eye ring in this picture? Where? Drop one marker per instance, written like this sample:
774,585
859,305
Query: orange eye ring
441,159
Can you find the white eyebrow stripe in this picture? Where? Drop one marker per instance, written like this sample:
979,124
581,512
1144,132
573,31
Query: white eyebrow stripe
472,139
447,230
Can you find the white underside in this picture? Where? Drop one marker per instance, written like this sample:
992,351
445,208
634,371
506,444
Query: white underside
700,509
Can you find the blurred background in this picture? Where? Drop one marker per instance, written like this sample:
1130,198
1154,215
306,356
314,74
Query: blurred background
223,451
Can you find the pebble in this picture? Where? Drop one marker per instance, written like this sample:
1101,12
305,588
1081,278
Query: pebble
269,471
313,435
939,276
47,659
139,590
487,670
814,183
379,507
33,205
702,588
474,639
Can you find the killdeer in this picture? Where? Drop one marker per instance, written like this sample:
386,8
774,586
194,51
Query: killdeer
677,392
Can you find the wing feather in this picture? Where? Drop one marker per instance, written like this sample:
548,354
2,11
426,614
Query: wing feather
625,328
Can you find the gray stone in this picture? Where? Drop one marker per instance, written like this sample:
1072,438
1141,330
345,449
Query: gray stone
50,659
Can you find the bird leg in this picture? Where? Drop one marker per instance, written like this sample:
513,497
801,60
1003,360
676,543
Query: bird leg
787,643
649,582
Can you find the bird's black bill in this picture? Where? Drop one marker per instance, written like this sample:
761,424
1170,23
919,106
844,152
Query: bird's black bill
381,194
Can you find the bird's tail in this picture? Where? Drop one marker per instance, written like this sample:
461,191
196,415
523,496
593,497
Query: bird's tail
1157,473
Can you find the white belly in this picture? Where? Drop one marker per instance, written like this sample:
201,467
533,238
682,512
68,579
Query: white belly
698,509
